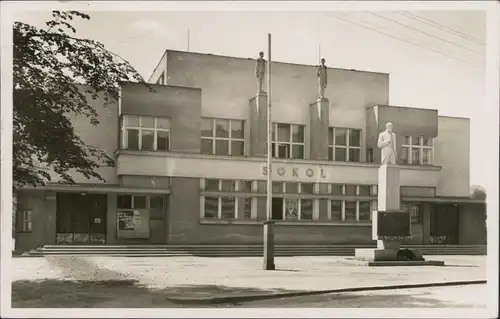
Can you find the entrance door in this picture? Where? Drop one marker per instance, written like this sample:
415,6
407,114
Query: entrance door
444,224
277,208
81,218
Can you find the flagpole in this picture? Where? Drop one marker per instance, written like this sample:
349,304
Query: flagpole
269,224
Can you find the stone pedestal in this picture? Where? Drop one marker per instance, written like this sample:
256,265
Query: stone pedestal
388,200
319,123
269,245
258,125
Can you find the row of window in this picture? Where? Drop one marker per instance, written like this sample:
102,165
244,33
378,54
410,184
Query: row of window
222,185
235,207
239,207
226,137
155,204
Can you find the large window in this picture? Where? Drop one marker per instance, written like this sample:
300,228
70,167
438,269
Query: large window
349,210
352,202
344,144
140,202
222,137
26,221
228,204
288,141
417,150
415,210
291,201
145,133
294,208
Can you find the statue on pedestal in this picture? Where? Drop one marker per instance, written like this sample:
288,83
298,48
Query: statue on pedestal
387,144
322,78
260,71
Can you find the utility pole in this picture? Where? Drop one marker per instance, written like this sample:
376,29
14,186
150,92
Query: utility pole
319,53
269,223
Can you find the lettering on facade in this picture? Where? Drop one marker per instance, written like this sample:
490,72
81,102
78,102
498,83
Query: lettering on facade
297,172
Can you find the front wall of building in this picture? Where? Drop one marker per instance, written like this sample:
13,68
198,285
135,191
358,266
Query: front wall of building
185,165
451,152
186,226
229,83
104,136
42,204
227,86
181,105
406,121
472,224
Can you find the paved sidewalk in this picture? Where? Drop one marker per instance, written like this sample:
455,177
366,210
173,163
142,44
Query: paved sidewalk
220,277
163,282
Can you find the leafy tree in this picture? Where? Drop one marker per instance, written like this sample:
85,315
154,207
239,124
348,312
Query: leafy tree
55,73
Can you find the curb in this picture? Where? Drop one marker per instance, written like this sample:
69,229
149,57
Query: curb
234,299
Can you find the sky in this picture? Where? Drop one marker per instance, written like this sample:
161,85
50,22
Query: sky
436,59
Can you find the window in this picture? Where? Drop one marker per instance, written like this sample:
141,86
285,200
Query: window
323,188
153,202
211,207
344,144
222,137
288,141
291,208
306,209
364,210
307,188
336,209
337,189
245,206
350,190
227,207
351,210
415,211
277,187
245,186
26,221
292,188
417,150
145,133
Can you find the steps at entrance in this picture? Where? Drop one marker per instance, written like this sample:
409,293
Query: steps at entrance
235,250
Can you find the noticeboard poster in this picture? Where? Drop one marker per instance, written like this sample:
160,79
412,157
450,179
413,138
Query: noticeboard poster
133,224
126,221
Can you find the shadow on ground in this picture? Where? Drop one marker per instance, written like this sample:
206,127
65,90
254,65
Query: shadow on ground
52,293
357,300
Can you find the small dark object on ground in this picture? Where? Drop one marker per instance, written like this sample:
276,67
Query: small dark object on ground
408,255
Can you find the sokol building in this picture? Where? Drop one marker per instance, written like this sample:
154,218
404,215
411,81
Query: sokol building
191,162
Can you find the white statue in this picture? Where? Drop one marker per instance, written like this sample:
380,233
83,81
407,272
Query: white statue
387,144
260,71
322,78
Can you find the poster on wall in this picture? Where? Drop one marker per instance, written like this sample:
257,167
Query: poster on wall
133,224
126,220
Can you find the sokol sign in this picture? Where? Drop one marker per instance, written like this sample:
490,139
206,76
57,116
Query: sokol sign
297,172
